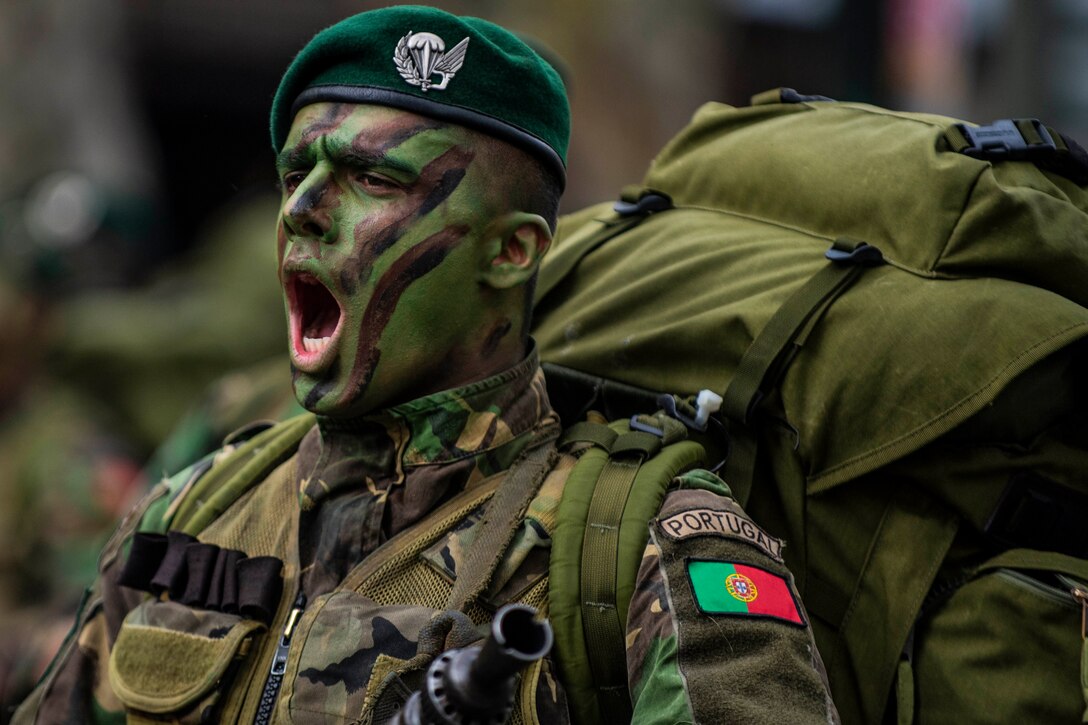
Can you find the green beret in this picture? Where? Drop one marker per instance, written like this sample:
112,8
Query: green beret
407,57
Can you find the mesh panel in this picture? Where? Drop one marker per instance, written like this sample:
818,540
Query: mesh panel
407,579
244,526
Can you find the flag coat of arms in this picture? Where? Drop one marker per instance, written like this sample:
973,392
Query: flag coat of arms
725,587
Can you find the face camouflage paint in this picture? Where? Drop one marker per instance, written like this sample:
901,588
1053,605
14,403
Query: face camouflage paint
382,236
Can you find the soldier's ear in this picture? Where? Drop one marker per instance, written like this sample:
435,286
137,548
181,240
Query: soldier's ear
513,249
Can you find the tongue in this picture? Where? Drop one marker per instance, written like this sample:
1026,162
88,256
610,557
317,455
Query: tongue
324,324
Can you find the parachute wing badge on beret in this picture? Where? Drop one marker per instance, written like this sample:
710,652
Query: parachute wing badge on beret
419,56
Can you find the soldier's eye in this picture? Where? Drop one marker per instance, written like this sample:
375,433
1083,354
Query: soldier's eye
292,180
377,184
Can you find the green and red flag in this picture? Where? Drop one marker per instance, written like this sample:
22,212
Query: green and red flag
725,587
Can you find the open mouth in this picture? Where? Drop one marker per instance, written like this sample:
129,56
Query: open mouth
315,321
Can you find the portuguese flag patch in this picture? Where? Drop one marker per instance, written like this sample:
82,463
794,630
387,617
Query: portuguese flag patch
723,587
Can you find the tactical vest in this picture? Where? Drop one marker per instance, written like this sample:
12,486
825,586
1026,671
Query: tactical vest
224,659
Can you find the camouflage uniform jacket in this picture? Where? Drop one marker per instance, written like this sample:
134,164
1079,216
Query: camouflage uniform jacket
371,520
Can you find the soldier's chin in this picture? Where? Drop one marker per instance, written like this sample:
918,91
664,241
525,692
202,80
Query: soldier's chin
324,396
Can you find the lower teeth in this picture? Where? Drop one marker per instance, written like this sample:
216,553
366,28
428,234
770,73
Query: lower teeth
315,344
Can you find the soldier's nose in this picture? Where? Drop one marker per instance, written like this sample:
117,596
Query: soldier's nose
305,214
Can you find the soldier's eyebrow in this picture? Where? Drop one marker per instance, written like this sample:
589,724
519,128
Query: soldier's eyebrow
344,156
294,158
355,158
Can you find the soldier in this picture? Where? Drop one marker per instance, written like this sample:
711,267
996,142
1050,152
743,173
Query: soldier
309,573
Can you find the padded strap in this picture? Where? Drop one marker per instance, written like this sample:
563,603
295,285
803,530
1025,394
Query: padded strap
773,349
225,483
597,546
584,431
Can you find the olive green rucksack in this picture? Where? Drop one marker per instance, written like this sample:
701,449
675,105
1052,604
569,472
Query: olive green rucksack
894,308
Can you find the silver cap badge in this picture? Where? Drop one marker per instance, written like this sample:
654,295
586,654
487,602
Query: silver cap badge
420,56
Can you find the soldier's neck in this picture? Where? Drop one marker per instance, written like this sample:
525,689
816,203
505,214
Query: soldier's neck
447,425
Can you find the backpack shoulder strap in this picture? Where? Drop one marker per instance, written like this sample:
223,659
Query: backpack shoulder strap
213,485
600,536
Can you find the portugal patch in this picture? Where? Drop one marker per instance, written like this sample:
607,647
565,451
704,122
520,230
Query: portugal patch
724,587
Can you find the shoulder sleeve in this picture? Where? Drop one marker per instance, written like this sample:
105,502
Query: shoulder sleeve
715,630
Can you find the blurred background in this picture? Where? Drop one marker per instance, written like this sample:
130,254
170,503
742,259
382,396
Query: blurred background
137,204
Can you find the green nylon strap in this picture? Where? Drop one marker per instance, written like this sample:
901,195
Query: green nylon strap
244,468
502,516
768,355
637,442
604,631
904,693
586,432
811,299
740,465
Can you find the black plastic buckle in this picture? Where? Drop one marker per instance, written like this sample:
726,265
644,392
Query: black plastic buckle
863,254
648,203
668,404
636,424
1002,140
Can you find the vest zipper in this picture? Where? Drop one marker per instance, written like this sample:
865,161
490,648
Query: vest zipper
279,664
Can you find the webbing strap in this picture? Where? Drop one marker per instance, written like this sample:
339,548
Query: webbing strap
584,431
225,483
604,632
904,692
775,346
637,442
501,517
740,465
